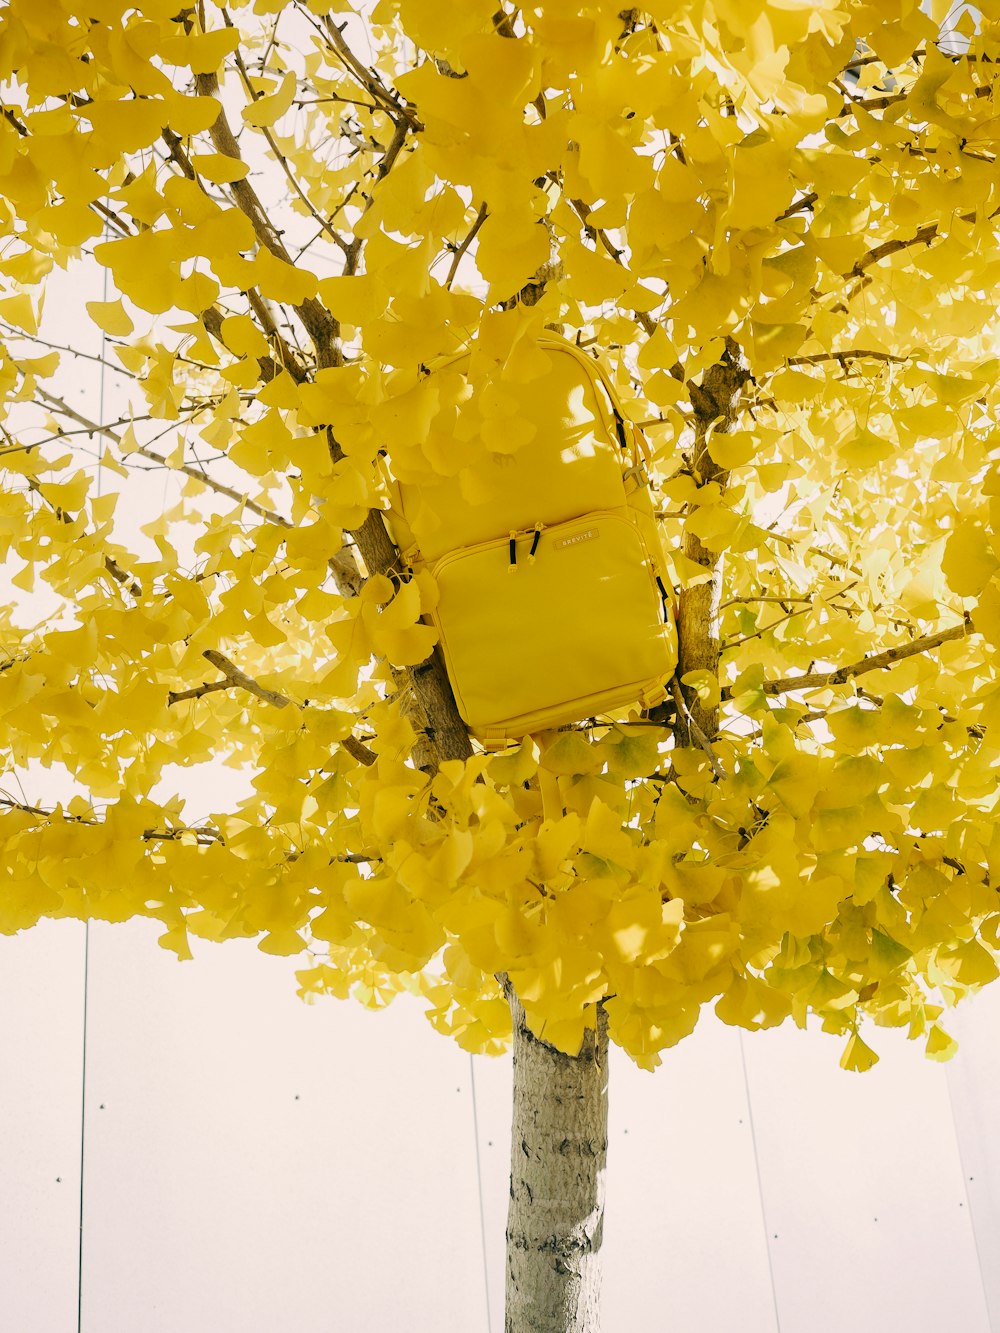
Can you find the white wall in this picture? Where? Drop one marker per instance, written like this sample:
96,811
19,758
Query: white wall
256,1165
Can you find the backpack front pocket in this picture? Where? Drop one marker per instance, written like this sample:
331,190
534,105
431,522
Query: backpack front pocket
582,616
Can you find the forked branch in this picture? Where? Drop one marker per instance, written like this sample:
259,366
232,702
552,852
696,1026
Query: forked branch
59,405
235,678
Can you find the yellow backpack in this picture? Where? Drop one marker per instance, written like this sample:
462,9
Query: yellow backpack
552,600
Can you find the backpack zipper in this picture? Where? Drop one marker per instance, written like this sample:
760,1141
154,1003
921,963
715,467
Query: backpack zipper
536,536
521,534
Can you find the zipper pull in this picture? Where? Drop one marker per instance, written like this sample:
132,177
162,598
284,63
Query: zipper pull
513,553
534,542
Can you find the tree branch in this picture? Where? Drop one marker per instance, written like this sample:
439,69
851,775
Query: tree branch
461,249
321,326
282,160
97,429
234,677
818,680
800,206
923,236
853,354
204,835
212,317
389,100
583,211
120,576
197,692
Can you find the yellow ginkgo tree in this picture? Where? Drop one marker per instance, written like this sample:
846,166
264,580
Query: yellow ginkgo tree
775,222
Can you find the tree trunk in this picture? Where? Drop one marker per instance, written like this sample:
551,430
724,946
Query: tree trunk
559,1147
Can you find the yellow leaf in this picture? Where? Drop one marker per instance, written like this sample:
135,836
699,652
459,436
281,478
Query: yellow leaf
196,293
201,52
760,184
395,631
940,1046
968,562
284,943
988,613
111,317
145,267
41,366
553,843
570,753
864,449
632,753
515,766
705,685
192,115
753,1004
732,450
857,1056
356,299
176,941
279,281
242,336
19,311
128,125
266,110
219,168
970,964
512,247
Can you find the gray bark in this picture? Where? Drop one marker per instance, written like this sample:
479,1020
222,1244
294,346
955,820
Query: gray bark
559,1145
716,403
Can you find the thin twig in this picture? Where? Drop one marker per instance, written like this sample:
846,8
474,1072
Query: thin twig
34,339
747,601
387,98
695,730
764,629
204,835
96,428
120,576
110,216
460,250
815,550
283,161
800,206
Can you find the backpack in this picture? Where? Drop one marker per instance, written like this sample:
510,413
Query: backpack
551,595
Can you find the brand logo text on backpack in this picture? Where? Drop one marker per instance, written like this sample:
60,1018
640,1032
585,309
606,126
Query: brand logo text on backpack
577,537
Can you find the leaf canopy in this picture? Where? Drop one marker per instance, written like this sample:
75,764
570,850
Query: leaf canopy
297,208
